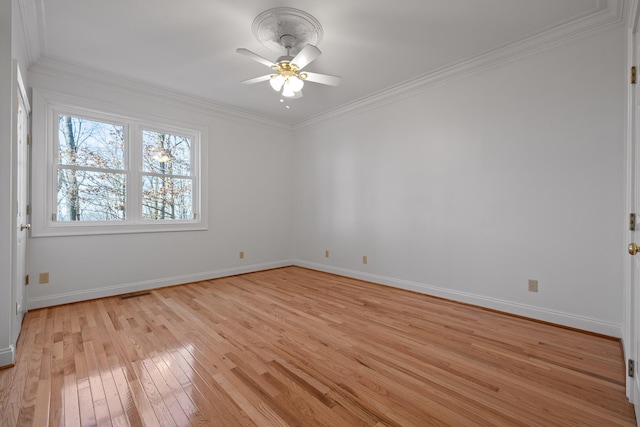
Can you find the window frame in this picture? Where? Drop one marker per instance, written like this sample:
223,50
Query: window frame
48,107
141,173
54,141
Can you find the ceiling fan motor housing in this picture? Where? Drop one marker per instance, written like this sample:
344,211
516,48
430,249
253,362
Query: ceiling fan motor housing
288,41
284,58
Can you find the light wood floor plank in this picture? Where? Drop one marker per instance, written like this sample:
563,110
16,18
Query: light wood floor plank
292,346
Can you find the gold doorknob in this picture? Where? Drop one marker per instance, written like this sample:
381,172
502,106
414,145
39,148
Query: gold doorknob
25,227
633,249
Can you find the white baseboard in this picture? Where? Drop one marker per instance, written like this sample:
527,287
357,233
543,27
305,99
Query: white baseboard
69,297
7,356
538,313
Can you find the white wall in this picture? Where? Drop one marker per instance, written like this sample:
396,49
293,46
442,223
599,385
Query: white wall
468,189
249,202
6,221
463,190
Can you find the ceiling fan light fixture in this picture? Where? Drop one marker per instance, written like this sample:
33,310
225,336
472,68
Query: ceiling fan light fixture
287,90
296,83
297,32
276,82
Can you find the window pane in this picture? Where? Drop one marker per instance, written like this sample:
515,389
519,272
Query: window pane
84,142
164,197
166,154
90,196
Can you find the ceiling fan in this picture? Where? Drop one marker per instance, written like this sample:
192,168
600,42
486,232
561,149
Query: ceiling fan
289,29
289,77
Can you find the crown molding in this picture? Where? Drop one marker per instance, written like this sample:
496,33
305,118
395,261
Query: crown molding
33,28
607,14
32,18
112,82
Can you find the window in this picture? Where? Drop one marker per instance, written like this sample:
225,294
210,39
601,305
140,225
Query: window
92,170
112,174
166,179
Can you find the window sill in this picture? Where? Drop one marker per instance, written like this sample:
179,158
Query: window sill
64,230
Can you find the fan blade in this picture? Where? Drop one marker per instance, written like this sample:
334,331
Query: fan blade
324,79
297,95
255,57
257,79
307,55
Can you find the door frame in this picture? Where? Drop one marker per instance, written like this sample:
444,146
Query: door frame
17,280
631,295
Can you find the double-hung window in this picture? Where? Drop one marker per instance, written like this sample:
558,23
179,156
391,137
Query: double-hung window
116,174
167,183
91,170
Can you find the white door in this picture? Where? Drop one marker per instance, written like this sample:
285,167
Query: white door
21,224
632,293
634,329
632,347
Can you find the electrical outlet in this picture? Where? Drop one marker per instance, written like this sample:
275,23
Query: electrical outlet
533,285
241,254
364,259
44,278
326,253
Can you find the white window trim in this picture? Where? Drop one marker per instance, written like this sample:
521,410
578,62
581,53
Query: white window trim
47,106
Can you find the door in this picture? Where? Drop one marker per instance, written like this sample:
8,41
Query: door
22,226
631,332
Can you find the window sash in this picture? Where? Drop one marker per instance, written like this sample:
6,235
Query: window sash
147,201
148,129
109,203
85,137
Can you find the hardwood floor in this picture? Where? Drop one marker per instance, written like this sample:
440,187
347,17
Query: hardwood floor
297,347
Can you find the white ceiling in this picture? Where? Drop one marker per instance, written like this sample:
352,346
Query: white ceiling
188,46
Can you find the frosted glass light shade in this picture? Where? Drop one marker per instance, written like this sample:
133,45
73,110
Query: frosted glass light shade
296,83
277,82
287,90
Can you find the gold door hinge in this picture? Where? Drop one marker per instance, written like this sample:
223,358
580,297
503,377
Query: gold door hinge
634,75
28,139
26,280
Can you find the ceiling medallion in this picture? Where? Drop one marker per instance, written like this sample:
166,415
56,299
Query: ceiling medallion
272,24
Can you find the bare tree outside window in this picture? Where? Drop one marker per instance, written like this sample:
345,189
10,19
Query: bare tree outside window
167,184
91,170
102,165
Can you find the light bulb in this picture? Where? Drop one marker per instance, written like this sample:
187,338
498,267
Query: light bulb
287,90
296,83
277,82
